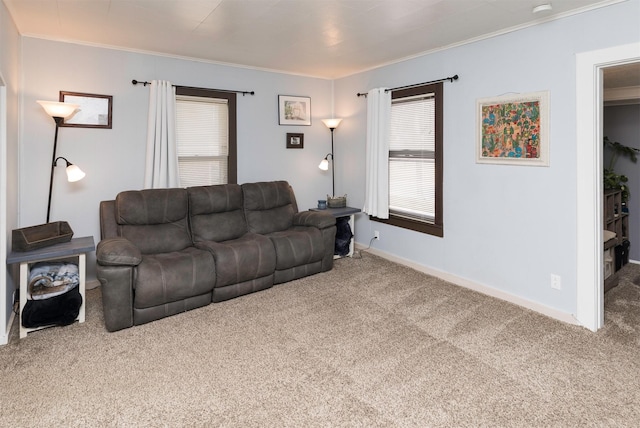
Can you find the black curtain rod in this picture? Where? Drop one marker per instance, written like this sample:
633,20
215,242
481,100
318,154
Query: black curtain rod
135,82
450,79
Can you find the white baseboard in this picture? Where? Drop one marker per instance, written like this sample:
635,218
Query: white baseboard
90,285
481,288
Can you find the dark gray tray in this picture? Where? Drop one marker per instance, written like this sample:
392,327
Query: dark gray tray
42,235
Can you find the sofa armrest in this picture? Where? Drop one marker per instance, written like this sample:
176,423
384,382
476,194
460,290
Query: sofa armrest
318,219
117,295
327,225
117,252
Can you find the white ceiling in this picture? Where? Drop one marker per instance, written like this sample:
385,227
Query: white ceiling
324,38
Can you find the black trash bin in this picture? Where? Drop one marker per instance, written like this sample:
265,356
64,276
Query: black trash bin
343,236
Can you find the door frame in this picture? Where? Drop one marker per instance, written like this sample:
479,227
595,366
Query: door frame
6,316
589,135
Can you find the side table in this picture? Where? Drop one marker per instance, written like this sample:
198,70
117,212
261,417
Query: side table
77,247
344,212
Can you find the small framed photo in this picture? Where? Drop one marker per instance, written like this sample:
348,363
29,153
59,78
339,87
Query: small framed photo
295,141
94,110
513,129
294,110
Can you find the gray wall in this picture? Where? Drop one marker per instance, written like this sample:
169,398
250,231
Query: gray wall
114,159
622,124
505,227
9,72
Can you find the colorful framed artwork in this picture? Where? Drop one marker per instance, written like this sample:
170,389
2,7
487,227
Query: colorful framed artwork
294,110
94,110
295,141
513,129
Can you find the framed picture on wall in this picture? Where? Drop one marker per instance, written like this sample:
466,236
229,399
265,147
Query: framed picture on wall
513,129
294,110
295,141
94,110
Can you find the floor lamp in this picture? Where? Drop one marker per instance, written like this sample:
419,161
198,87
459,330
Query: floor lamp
59,111
332,124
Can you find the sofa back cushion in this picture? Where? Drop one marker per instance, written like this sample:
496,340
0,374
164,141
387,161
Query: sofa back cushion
216,212
108,224
154,220
268,206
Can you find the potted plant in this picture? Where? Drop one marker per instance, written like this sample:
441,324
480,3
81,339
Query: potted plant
612,180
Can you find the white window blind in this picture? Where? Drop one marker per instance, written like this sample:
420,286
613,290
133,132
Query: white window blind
412,174
202,134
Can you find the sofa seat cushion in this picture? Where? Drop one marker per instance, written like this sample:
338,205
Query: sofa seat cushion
297,246
238,260
169,277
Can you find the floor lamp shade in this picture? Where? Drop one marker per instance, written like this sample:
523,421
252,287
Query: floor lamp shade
58,109
324,164
74,173
331,123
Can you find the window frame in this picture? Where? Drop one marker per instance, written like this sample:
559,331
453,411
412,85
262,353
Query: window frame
435,228
232,159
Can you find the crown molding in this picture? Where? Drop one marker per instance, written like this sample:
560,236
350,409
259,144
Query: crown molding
622,96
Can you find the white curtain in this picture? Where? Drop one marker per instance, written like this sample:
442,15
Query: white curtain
161,167
376,201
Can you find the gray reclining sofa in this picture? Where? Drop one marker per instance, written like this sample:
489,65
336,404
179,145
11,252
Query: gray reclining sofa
166,251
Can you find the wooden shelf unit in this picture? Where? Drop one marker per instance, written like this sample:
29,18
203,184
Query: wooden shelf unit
618,222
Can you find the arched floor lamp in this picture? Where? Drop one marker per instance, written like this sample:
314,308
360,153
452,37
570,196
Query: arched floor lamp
59,111
332,124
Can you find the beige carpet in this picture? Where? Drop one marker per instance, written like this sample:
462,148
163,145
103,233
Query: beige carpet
369,344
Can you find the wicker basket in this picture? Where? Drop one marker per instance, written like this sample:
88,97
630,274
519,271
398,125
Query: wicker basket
42,235
336,201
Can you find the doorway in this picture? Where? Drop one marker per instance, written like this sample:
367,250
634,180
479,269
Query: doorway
589,156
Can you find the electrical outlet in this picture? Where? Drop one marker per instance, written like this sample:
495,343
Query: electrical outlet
376,234
556,282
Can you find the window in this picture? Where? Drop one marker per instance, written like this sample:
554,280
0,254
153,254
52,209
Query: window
206,136
415,159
